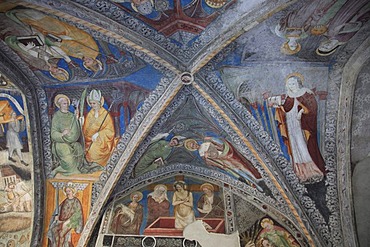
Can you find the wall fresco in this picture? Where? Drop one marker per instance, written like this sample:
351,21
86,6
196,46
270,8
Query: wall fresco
86,123
16,168
165,208
337,21
182,21
265,102
60,52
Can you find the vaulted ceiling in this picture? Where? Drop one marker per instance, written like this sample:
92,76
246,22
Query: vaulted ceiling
194,69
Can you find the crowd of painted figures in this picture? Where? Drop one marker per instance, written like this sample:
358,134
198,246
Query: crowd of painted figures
128,219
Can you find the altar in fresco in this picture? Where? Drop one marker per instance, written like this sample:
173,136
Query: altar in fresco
16,168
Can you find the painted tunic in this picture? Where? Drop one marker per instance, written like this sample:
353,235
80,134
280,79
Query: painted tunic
100,150
70,218
309,165
212,207
74,41
123,223
67,151
160,149
12,135
157,209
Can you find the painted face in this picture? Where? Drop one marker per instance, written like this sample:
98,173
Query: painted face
268,225
194,145
63,104
94,104
161,190
292,43
292,84
69,192
174,142
179,187
13,115
135,198
207,191
88,61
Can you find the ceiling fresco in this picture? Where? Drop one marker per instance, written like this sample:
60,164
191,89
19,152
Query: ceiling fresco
164,122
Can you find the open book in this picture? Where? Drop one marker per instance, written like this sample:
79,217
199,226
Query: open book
25,40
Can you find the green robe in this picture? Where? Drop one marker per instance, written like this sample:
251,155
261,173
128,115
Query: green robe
67,151
159,149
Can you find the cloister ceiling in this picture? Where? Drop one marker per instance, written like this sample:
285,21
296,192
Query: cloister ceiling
173,79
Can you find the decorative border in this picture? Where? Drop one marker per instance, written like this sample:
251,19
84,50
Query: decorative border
269,152
22,77
110,17
342,81
253,196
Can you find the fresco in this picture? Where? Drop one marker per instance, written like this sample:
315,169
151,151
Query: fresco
265,232
178,19
195,137
272,107
16,168
86,123
337,21
60,52
165,208
65,219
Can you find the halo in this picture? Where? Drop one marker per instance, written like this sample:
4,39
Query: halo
181,183
216,4
207,185
137,193
63,76
70,186
324,54
286,50
187,143
100,64
134,7
295,74
318,30
265,220
59,96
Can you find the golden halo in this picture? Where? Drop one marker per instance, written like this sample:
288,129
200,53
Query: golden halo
266,220
63,75
318,30
286,50
100,66
74,191
187,143
216,3
137,193
295,74
135,8
207,185
59,96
